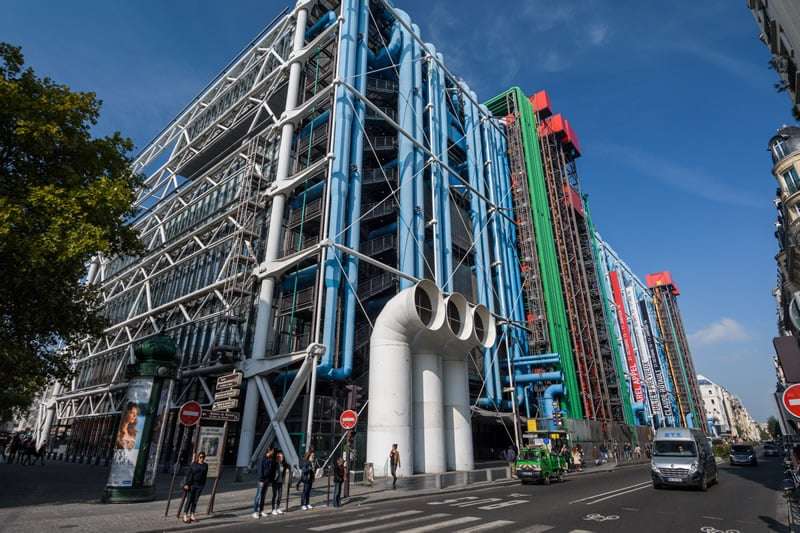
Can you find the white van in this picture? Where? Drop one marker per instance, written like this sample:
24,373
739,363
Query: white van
682,457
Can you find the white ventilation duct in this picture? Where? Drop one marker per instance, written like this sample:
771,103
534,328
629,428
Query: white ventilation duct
403,318
418,381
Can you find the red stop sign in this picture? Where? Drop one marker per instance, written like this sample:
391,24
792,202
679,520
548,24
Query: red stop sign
348,419
190,413
791,399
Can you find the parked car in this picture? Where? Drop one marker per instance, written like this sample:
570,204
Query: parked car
743,454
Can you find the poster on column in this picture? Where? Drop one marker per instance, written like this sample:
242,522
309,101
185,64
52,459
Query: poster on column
210,443
129,434
158,429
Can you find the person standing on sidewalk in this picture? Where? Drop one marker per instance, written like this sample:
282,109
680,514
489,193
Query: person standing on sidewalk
394,464
307,478
279,469
264,479
338,480
193,484
510,455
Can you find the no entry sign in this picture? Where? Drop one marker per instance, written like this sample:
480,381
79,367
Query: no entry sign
348,419
791,400
190,413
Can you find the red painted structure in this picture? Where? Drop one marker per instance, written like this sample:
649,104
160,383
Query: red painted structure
661,279
622,319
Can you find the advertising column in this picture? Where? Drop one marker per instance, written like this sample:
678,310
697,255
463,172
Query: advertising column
141,419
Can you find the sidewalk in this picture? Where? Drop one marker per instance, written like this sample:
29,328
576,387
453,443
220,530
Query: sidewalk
67,496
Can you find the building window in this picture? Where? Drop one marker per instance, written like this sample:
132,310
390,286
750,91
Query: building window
792,180
778,150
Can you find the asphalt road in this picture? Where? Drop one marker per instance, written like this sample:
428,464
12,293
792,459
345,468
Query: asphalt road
745,500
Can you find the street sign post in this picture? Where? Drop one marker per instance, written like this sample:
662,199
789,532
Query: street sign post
226,397
189,413
220,416
791,400
348,419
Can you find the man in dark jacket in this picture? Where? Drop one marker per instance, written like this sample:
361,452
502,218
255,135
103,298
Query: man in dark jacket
279,469
264,480
193,484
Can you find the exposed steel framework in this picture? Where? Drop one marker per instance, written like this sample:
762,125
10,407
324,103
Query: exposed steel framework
533,294
590,341
676,346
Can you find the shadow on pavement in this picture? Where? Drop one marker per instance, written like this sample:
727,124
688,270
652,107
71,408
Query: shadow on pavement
768,473
774,525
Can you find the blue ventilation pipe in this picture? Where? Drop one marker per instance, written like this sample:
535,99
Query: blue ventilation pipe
338,182
319,26
548,399
304,277
419,182
446,230
383,230
354,202
388,54
405,155
314,123
312,193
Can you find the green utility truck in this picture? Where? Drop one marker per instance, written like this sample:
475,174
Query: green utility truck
537,463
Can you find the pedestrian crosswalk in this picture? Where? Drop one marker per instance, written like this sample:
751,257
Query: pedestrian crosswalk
413,521
421,520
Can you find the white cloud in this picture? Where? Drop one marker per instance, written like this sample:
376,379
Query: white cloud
693,181
723,330
598,34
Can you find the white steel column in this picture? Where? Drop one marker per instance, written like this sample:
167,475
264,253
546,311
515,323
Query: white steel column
428,411
264,311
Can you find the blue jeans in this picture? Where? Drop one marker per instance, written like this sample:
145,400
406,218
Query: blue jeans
305,499
337,493
261,494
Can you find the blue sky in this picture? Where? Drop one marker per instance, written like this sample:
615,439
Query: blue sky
673,103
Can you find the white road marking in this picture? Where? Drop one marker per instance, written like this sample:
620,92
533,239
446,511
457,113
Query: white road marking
487,526
439,525
713,517
617,494
629,508
581,531
536,528
341,525
402,523
610,492
507,503
476,502
453,500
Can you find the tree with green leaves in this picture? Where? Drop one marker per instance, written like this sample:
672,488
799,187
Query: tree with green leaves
774,427
64,196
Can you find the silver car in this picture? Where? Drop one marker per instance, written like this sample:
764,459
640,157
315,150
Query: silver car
682,457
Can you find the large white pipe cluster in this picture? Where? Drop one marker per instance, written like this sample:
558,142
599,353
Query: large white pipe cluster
418,382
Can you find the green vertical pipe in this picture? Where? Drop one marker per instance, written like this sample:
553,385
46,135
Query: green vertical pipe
622,385
545,245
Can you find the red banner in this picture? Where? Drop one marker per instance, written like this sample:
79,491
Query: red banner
622,318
